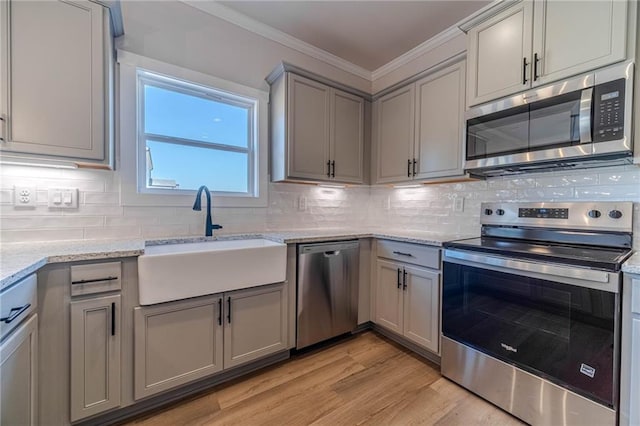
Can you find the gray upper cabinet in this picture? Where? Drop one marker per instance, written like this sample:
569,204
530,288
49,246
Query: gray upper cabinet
95,355
498,51
55,79
528,44
440,123
394,115
419,128
317,131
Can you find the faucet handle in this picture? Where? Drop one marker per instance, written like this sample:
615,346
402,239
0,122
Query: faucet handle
216,226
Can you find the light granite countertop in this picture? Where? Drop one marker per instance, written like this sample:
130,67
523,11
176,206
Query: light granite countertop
632,265
17,260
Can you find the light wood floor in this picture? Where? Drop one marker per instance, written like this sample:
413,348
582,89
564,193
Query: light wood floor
365,379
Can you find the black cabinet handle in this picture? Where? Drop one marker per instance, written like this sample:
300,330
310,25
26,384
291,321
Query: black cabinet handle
399,283
229,310
408,168
15,313
113,318
400,253
524,70
404,279
96,280
220,311
414,167
333,168
329,168
536,59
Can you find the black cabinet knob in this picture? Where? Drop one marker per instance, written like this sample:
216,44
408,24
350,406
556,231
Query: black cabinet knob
488,212
615,214
500,212
594,214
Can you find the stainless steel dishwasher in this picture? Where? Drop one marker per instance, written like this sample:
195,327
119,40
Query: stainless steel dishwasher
327,291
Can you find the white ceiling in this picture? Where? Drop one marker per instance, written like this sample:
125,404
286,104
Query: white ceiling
366,33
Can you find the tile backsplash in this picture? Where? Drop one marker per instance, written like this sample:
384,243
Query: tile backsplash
429,207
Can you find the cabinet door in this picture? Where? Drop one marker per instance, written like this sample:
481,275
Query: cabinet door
19,367
395,132
389,297
421,312
255,323
95,355
54,78
439,123
176,343
597,36
347,137
308,128
497,51
634,392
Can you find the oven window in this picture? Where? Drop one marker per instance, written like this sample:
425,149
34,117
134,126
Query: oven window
498,134
551,123
562,332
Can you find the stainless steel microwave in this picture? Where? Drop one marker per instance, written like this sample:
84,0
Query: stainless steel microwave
581,122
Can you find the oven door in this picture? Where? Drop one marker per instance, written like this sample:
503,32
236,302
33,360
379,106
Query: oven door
556,322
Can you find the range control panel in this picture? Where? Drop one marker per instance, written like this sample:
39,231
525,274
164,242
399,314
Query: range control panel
544,213
615,216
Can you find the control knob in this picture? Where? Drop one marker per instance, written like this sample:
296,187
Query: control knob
615,214
594,214
500,212
488,212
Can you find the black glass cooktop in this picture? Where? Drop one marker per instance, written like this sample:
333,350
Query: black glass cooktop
606,258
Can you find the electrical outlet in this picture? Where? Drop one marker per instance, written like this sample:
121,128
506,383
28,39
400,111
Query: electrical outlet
63,198
386,204
302,203
458,204
24,196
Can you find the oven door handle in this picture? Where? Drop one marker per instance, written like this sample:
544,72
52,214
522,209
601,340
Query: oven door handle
520,265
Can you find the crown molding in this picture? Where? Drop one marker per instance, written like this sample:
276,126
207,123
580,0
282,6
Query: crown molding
435,41
223,12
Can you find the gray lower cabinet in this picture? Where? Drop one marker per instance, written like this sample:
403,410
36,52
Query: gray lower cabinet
630,367
178,342
19,371
407,292
95,355
256,324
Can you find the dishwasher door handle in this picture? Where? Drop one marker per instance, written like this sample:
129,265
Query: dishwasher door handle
331,253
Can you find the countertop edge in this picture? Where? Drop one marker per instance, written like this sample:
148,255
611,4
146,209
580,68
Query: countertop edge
103,248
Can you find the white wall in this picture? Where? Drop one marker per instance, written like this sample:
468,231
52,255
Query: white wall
179,34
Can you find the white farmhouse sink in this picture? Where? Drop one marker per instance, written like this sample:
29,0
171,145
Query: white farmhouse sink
178,271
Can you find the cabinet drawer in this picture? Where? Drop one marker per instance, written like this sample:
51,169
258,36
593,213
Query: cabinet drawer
635,295
410,253
96,278
16,303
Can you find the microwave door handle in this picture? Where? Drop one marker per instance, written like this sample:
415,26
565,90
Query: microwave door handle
585,115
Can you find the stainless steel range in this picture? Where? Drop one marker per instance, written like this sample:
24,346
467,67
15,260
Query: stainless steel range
531,309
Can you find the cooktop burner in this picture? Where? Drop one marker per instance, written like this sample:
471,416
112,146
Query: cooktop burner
607,258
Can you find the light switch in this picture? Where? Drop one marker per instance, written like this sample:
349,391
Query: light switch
302,203
458,204
63,198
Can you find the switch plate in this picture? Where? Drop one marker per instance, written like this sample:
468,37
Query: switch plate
458,204
24,196
302,203
63,198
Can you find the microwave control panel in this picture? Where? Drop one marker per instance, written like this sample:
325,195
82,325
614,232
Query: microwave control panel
608,111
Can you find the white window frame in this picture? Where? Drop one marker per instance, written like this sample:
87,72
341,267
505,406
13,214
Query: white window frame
131,152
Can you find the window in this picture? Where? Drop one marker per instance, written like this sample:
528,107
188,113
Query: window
191,135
